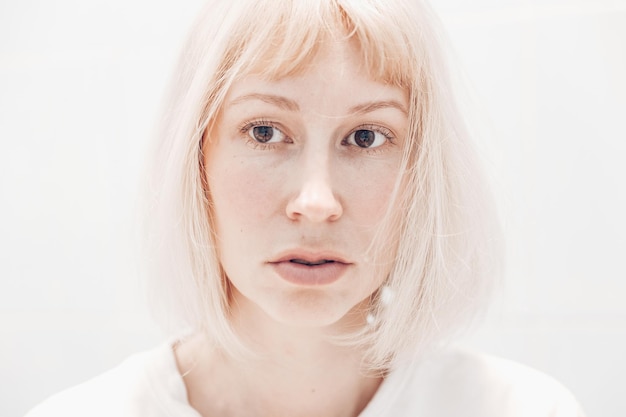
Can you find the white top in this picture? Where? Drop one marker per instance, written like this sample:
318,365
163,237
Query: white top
451,383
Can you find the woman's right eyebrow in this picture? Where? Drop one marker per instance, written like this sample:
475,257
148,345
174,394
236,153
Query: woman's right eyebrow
278,101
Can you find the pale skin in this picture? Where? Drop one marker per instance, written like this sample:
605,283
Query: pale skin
299,167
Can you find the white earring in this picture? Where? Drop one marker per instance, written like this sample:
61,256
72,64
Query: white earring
386,297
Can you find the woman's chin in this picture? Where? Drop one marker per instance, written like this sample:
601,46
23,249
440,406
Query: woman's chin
309,310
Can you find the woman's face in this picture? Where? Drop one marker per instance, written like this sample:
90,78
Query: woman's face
300,172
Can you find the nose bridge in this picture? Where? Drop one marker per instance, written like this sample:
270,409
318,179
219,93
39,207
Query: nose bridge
316,198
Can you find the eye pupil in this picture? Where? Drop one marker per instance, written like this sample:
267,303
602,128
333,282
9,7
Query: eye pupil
263,133
364,138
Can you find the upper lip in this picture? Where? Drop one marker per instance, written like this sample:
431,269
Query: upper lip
310,256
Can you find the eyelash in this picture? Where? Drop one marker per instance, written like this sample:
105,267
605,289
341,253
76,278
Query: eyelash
245,128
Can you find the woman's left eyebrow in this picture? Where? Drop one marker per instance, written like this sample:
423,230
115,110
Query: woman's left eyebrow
376,105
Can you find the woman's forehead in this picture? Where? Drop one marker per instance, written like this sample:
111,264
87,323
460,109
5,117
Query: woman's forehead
336,83
333,60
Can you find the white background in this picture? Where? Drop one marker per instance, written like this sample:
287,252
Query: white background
80,84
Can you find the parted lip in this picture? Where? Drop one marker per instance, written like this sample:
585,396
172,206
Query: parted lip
310,256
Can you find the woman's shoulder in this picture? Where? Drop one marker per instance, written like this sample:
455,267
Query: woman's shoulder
145,384
458,381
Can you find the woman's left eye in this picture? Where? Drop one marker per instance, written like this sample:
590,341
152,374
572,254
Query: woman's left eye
266,134
367,138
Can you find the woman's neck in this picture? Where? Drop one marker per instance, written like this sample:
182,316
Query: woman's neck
294,372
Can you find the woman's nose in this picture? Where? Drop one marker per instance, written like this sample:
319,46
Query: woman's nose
315,199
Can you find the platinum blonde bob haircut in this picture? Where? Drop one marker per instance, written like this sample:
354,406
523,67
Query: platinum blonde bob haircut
446,255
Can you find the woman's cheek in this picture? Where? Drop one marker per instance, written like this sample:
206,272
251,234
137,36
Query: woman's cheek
245,193
368,192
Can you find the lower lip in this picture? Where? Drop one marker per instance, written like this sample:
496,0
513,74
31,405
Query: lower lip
299,274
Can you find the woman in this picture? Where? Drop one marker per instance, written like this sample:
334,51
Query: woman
319,227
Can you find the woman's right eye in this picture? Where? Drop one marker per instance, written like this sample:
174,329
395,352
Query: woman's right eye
266,134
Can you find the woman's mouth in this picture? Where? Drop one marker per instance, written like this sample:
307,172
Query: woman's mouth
310,269
314,263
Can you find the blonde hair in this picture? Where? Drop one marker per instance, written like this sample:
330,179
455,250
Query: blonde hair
447,247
